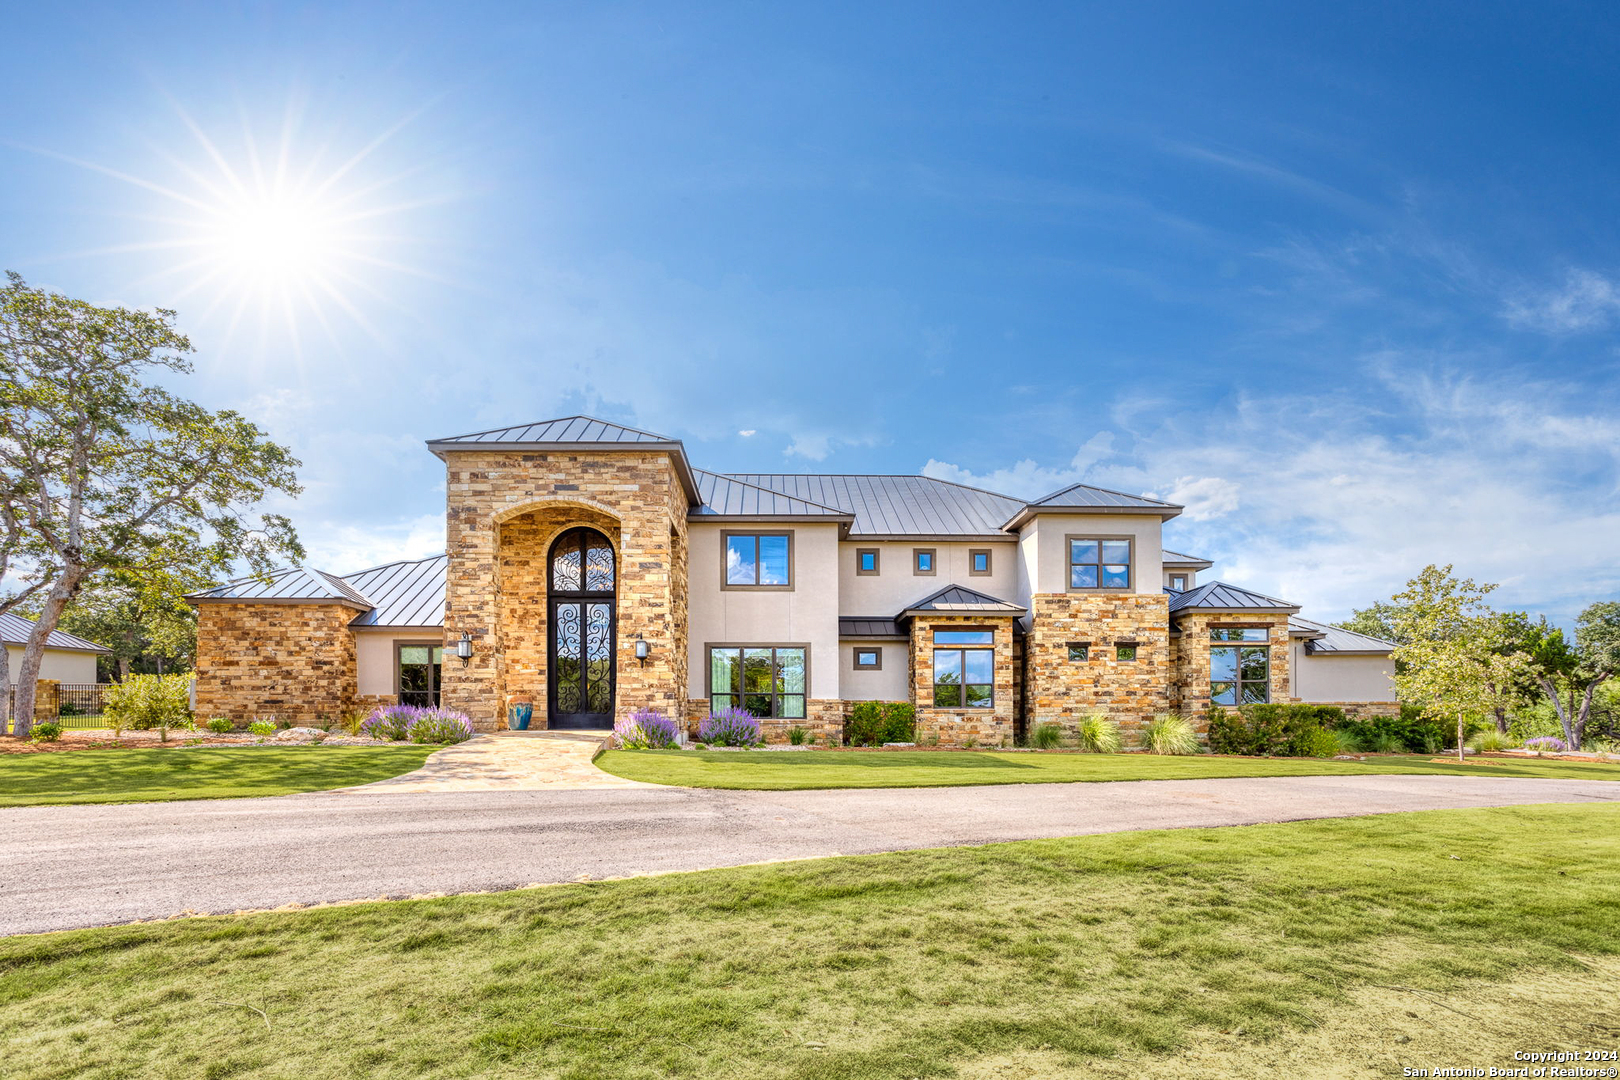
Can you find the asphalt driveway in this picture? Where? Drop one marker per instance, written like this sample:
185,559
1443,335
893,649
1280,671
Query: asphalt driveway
75,866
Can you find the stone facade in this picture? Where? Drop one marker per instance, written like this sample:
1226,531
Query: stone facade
1129,692
824,720
1364,710
496,581
995,726
290,661
1192,667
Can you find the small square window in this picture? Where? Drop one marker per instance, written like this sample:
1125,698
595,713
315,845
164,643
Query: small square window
979,562
1079,652
866,562
922,562
1125,653
869,659
1178,582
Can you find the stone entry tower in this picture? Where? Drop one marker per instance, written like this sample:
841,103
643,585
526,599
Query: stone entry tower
509,494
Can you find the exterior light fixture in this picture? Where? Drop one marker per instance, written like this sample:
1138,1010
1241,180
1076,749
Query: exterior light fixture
643,650
464,648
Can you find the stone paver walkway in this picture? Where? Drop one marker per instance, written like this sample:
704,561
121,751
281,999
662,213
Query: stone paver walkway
510,761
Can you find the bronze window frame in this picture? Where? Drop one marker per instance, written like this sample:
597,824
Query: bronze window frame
855,657
961,687
1069,564
877,562
1083,648
989,562
933,562
1119,652
1239,682
438,683
1181,578
792,563
708,673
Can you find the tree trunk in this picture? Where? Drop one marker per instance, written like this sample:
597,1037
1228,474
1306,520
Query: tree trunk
1501,719
1461,757
1564,719
5,686
34,652
123,669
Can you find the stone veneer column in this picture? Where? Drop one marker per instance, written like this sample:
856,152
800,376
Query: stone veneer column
985,727
1129,692
640,491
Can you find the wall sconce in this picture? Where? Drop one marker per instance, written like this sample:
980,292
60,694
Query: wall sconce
643,650
464,648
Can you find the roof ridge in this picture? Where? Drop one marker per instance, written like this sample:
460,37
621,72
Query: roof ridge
396,562
1099,487
557,420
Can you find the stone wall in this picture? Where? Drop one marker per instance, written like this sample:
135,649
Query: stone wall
1129,692
1363,710
290,661
994,726
638,493
825,720
1192,668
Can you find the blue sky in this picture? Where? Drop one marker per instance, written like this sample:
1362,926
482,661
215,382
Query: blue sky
1345,282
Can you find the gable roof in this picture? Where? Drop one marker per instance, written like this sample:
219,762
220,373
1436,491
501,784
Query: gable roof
402,593
897,507
1094,500
1334,639
728,497
1176,558
1219,596
15,630
961,600
295,583
573,433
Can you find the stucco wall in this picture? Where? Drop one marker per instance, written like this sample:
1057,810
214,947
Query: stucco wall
374,652
1050,573
805,614
895,587
1330,677
58,664
891,683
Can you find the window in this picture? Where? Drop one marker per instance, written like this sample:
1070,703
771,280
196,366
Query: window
1079,651
1178,582
964,678
922,561
868,659
1125,653
866,561
418,667
1099,563
758,561
1239,665
979,562
766,680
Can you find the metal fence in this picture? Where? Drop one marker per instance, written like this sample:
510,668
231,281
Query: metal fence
80,705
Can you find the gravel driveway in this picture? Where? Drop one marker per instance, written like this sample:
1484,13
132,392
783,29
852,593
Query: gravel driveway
74,866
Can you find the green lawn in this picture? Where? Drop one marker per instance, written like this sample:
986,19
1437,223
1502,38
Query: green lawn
774,770
1138,945
142,775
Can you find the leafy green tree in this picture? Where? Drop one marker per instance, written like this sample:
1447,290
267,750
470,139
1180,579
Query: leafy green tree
107,472
1379,619
1570,674
143,618
1455,648
23,574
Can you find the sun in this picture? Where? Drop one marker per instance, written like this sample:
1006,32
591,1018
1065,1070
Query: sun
277,238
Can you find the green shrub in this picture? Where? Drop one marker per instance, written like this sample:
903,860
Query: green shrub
797,735
873,723
1094,733
1491,739
1408,732
1318,742
219,725
144,702
262,728
1170,733
1264,730
1347,742
67,708
1046,736
899,721
49,731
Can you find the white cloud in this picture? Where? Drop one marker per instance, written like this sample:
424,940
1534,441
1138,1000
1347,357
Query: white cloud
1205,497
748,433
1027,479
345,548
1585,301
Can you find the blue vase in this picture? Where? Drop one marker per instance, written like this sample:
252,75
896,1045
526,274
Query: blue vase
518,715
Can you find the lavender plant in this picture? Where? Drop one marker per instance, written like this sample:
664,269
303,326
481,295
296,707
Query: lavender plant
730,727
391,722
439,726
646,729
1547,743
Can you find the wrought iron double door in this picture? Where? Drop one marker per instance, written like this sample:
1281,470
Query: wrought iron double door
581,620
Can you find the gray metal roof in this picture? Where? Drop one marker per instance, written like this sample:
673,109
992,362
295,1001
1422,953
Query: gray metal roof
961,600
1219,596
569,429
292,583
727,496
903,507
874,628
1335,639
1096,500
404,593
1176,558
14,630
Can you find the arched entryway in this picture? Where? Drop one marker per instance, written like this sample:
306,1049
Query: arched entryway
581,587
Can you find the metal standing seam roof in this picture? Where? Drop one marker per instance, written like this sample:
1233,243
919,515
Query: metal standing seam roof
16,629
727,496
1336,639
869,628
1176,558
902,507
1096,500
959,600
292,583
1219,596
569,429
403,593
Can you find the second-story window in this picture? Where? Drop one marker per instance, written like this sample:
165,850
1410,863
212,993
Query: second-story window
922,561
1097,563
866,561
1178,582
979,561
759,560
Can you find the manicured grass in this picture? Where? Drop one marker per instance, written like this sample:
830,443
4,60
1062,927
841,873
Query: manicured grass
142,775
904,965
775,770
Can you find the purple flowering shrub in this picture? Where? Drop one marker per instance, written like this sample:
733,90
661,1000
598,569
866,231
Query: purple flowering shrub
730,727
646,729
417,723
1545,742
